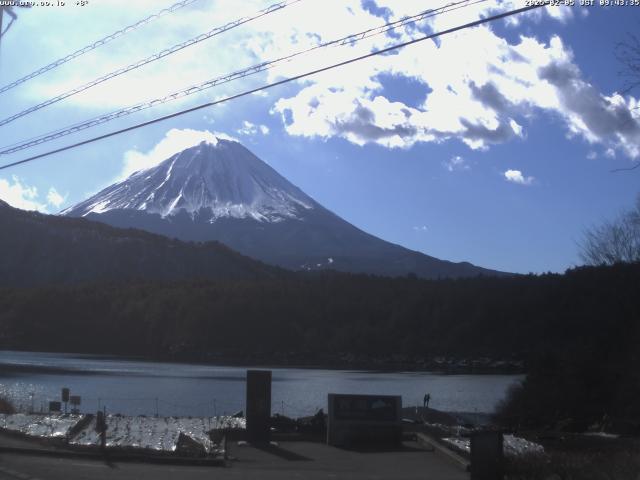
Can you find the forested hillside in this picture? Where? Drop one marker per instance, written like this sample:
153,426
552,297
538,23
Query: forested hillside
332,312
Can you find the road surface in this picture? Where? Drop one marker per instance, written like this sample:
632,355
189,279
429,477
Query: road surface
304,460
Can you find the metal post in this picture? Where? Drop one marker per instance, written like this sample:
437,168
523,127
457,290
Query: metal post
258,414
103,433
156,407
1,12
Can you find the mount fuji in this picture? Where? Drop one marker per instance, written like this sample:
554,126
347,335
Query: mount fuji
221,191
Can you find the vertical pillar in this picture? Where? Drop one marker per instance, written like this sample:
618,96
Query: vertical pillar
487,456
259,405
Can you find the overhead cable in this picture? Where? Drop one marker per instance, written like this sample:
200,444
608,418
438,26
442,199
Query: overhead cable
150,59
236,75
96,44
280,82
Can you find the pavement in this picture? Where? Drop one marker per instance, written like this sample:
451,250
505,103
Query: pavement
281,460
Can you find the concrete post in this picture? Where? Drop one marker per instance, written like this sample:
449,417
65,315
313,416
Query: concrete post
487,458
259,405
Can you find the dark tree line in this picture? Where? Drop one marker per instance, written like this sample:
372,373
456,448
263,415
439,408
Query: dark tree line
578,332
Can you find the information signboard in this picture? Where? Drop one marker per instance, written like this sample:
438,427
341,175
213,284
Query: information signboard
364,419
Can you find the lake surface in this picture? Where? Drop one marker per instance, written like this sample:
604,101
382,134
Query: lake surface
134,387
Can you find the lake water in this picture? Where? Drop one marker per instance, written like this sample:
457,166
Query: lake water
135,387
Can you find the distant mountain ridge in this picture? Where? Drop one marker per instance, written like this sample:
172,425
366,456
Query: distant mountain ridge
221,191
39,249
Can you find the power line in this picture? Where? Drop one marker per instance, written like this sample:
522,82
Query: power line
281,82
254,69
96,44
627,169
349,39
152,58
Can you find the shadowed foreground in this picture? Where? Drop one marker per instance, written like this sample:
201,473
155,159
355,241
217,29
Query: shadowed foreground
307,460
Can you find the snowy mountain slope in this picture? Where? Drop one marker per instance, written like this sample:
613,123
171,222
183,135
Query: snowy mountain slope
236,184
223,192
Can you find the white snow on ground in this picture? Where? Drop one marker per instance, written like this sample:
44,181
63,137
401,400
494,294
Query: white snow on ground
151,433
155,433
513,446
52,426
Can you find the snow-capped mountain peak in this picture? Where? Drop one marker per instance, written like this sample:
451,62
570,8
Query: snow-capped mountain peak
220,191
213,180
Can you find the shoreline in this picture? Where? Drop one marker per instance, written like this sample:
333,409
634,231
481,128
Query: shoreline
339,361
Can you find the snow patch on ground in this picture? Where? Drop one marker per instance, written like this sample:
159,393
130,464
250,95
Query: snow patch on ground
155,433
50,426
159,434
513,446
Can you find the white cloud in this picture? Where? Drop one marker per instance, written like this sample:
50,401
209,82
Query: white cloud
18,195
54,198
456,163
516,176
474,99
612,121
420,228
592,155
478,87
290,29
478,98
209,58
250,129
174,141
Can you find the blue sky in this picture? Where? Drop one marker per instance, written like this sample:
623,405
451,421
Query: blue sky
493,145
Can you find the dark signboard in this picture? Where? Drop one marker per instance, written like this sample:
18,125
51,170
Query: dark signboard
378,408
65,395
258,405
357,419
75,400
55,406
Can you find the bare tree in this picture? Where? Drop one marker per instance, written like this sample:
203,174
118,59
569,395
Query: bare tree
628,53
614,241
